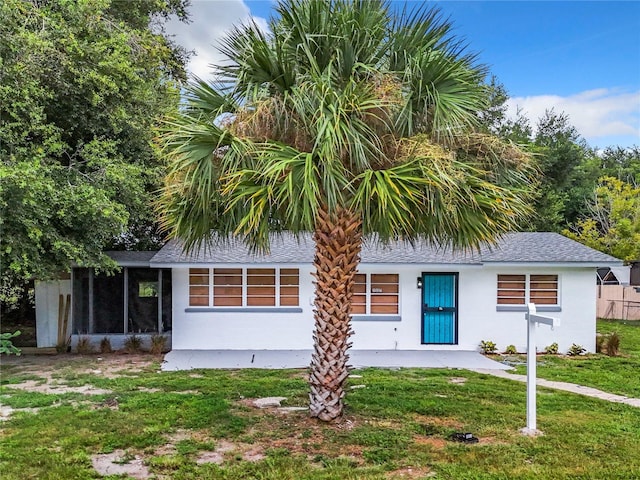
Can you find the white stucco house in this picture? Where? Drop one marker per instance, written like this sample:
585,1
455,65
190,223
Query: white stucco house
407,297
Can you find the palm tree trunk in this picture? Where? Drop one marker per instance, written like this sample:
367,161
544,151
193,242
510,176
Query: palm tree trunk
338,241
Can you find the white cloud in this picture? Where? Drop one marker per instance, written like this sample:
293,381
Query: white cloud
210,21
596,113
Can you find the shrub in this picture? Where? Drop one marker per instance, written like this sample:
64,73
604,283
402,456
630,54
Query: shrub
6,345
133,344
511,350
105,345
575,350
613,344
488,347
599,342
158,343
83,346
551,349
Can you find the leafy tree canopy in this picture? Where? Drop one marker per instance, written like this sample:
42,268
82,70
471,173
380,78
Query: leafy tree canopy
83,84
613,223
569,168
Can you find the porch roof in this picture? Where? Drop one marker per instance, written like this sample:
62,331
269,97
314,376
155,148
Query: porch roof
132,258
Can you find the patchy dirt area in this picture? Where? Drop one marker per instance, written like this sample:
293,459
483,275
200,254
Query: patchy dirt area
458,380
46,374
52,386
411,473
119,462
113,365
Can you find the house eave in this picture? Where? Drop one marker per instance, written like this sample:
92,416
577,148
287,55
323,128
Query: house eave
553,264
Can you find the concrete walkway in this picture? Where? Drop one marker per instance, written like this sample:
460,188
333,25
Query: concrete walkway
276,359
567,387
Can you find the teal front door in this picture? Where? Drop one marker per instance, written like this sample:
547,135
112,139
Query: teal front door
440,308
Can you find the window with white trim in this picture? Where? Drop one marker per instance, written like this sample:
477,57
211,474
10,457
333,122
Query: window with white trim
244,287
528,288
376,294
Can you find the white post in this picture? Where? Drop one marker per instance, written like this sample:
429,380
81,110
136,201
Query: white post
531,369
532,318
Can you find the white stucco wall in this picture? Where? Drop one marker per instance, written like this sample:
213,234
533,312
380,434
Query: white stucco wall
47,304
478,318
239,330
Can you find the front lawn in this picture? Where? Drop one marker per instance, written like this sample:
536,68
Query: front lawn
619,374
201,424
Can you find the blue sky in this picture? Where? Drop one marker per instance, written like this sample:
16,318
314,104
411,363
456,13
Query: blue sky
582,58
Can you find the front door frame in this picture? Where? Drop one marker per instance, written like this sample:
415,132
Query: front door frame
455,306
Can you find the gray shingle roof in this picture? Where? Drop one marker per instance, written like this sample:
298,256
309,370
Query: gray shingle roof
132,258
526,247
543,247
284,249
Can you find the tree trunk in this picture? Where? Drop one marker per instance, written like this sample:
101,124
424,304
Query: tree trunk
338,241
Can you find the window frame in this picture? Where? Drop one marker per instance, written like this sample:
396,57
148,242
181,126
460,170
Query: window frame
521,307
367,314
245,297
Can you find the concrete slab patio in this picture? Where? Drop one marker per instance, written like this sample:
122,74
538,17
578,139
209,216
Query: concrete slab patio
276,359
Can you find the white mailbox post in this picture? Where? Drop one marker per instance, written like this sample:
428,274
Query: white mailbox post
532,319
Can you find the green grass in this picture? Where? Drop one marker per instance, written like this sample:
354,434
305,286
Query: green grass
619,374
396,427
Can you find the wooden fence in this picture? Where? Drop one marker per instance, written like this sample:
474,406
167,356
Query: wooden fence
616,301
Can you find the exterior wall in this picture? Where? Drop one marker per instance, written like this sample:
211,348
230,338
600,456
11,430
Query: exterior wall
616,301
47,304
207,330
577,291
478,316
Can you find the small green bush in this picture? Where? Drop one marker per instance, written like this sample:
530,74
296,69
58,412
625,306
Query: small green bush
83,346
158,343
133,344
105,345
575,350
613,344
488,347
551,349
6,345
600,338
511,350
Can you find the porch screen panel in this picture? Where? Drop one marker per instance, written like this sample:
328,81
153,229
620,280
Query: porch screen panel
199,286
108,303
359,299
543,289
143,300
81,300
511,289
384,293
166,300
289,287
261,287
227,287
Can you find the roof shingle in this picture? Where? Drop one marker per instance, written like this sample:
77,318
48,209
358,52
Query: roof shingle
522,247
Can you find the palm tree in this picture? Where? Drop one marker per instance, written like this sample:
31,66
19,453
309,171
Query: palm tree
349,121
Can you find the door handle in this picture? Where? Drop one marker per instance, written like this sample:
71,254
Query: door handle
440,309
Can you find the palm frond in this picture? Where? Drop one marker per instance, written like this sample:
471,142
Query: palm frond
339,105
